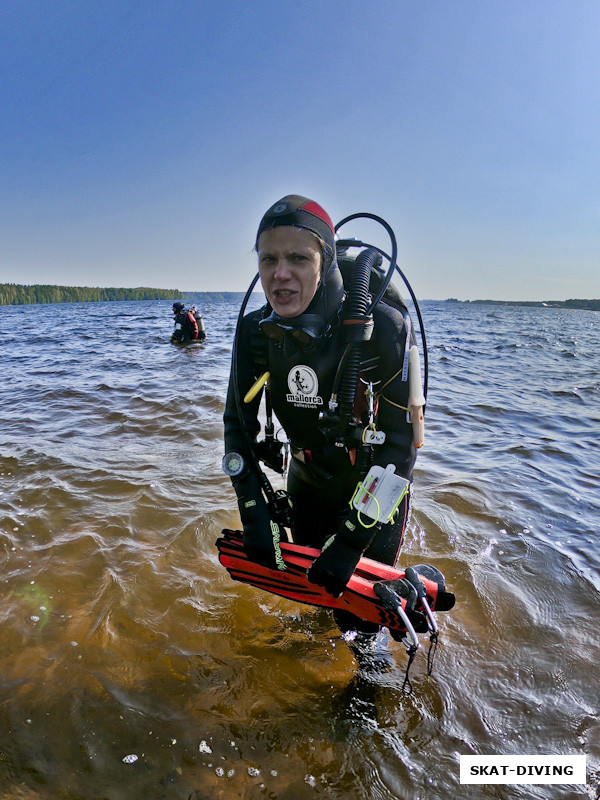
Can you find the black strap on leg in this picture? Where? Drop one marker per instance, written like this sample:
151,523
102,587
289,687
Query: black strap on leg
392,593
407,687
433,643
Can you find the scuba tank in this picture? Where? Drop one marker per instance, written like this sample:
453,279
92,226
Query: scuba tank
199,322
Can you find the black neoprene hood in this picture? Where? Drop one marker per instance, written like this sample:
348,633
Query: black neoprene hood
300,212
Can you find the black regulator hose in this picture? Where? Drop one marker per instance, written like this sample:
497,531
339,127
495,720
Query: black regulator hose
394,258
357,321
388,276
278,505
359,314
358,300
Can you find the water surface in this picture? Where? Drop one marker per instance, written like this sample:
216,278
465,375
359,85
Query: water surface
132,666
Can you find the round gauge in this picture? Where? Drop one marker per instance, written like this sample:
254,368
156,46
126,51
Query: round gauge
233,464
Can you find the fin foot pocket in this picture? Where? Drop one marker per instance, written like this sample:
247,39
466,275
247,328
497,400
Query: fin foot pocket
391,594
445,600
431,573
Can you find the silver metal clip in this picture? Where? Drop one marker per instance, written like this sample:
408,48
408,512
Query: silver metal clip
372,436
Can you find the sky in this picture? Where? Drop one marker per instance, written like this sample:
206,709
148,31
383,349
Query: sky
142,140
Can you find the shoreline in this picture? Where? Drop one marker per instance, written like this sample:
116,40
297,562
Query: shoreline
579,305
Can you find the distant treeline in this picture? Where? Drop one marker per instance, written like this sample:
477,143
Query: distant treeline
13,294
586,305
211,297
589,305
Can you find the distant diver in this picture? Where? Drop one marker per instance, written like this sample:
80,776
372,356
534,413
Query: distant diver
189,325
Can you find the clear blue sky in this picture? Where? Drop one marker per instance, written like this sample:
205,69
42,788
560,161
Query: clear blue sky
141,140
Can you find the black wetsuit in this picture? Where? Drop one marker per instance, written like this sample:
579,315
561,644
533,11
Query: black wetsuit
322,476
188,330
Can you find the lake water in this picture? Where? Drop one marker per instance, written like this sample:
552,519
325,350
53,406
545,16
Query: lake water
132,666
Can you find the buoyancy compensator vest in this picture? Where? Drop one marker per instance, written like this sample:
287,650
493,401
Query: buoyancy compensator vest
319,383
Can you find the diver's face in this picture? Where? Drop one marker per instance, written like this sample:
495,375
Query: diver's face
289,265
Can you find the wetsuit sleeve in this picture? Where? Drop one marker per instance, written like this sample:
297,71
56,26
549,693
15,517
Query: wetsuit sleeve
247,373
262,535
389,351
178,331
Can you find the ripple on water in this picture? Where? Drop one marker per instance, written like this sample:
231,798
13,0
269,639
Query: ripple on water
122,635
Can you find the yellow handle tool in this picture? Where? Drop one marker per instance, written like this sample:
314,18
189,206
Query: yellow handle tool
255,389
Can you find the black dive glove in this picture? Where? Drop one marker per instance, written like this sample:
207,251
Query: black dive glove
262,534
340,555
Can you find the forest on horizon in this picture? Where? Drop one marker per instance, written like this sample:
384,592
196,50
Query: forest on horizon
14,294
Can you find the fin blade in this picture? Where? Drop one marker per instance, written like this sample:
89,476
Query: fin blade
360,596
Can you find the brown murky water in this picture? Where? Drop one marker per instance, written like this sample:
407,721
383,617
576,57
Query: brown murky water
131,666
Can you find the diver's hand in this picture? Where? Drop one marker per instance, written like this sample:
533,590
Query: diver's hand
262,535
340,555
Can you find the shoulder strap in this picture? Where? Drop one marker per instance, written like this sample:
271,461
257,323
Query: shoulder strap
259,346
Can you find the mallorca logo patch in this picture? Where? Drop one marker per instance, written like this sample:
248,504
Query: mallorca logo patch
304,387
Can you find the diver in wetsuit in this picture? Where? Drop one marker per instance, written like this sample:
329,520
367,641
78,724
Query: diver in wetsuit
299,336
186,326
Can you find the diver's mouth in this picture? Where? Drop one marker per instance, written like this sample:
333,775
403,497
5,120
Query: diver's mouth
284,295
